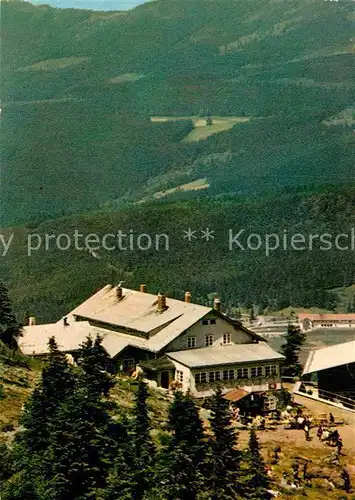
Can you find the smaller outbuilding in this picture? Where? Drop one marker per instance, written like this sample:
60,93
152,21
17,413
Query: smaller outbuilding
329,373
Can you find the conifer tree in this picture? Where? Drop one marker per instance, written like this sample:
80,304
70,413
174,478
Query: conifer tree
80,452
133,473
56,384
10,330
224,461
70,441
183,464
120,481
5,464
295,338
185,423
257,485
95,362
252,314
84,437
143,447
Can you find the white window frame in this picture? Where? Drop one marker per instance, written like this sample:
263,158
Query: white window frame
213,321
191,342
273,370
267,371
259,371
253,372
214,376
209,339
244,373
227,338
201,377
228,374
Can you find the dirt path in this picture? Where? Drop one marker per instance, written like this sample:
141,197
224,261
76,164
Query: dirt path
293,444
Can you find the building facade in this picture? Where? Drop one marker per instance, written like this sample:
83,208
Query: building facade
177,343
309,321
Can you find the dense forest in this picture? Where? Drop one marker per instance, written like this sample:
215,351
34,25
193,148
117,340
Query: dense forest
80,150
75,443
79,88
47,281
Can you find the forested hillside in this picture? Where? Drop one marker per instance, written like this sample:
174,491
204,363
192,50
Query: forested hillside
49,282
79,89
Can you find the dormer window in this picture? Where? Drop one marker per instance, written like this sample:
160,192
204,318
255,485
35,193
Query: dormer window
191,342
209,321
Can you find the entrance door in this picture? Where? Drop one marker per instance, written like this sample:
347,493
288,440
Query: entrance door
164,379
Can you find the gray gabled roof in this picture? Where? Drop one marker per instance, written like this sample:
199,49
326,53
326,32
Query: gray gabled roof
69,338
137,311
226,355
329,357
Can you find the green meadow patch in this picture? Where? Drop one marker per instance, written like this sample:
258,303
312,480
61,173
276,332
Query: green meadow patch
219,124
202,130
55,64
126,77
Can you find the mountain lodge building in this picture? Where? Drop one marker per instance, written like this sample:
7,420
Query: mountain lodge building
177,343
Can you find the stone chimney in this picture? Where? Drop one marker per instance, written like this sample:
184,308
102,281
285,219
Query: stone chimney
119,292
187,296
143,288
31,320
217,304
161,302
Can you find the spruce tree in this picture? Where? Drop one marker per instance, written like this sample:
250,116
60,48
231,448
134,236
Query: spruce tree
144,449
120,481
84,437
5,464
224,460
185,424
56,384
252,314
79,455
183,464
134,468
95,363
31,444
10,330
258,484
69,442
295,338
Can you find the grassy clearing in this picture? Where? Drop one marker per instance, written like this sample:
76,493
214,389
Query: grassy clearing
286,313
17,385
293,445
190,186
126,77
123,395
219,124
201,130
55,64
196,185
163,119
